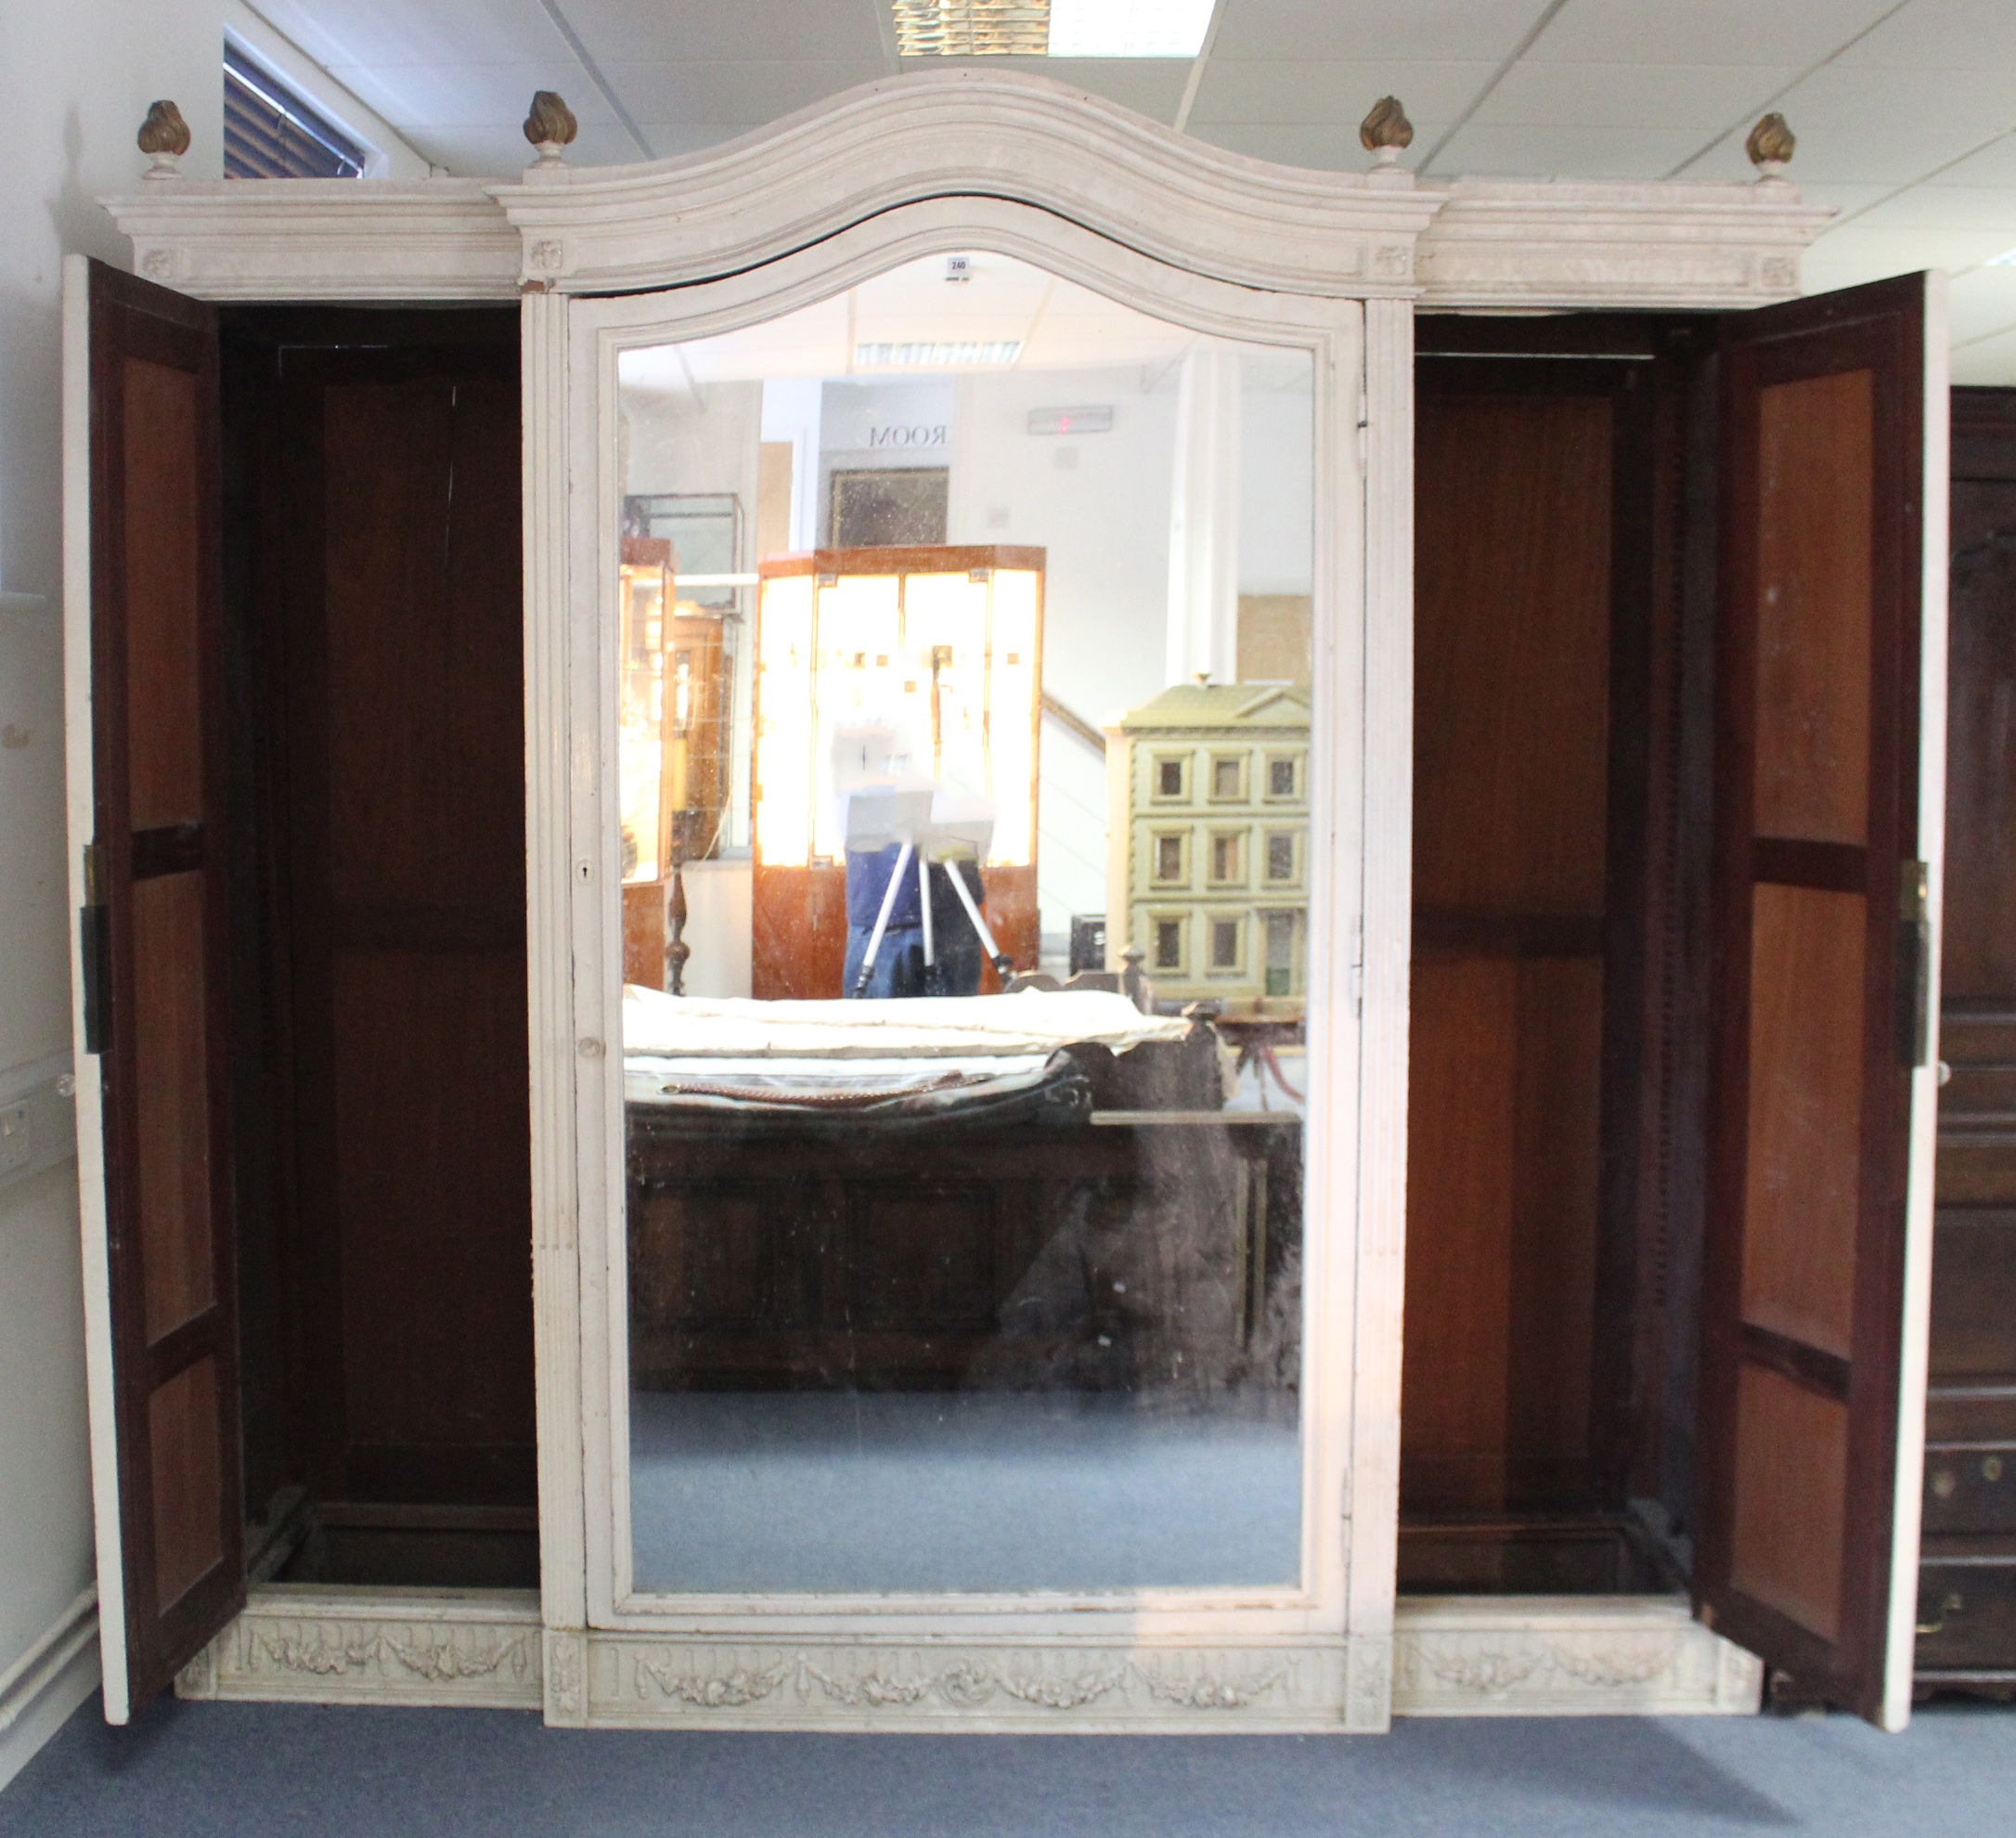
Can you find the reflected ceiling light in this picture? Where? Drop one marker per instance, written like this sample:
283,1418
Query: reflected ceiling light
910,355
1056,28
2006,259
1128,28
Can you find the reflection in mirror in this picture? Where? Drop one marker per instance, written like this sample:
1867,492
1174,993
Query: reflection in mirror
963,656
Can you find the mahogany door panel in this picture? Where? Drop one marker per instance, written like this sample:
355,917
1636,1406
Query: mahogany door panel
1816,890
154,945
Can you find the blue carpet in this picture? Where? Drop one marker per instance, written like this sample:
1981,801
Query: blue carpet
207,1771
957,1490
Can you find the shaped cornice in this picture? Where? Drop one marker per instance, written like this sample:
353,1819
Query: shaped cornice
1012,140
1532,243
973,133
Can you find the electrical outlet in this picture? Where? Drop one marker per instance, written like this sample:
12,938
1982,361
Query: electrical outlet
17,1141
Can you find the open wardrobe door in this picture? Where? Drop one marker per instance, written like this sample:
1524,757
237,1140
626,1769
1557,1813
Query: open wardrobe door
1829,747
143,691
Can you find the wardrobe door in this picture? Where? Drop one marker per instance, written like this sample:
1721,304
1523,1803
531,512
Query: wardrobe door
146,777
1828,747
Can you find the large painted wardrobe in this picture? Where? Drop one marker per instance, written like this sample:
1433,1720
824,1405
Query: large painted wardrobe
1629,690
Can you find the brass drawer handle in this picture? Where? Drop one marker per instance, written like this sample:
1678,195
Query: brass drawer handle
1952,1605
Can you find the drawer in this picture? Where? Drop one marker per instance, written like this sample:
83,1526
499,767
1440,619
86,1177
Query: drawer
1967,1611
1974,1310
1971,1488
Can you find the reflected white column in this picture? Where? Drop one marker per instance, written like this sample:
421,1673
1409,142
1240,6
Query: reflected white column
1203,520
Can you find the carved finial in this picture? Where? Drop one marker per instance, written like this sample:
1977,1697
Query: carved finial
550,127
165,138
1770,146
1386,131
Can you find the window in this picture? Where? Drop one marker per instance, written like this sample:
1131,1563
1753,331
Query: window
1228,856
1228,776
1280,953
1170,774
270,132
1168,857
1281,855
1282,776
1169,944
1224,944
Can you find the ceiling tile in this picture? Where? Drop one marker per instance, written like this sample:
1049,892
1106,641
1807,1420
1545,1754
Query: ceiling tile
1943,34
1374,30
1700,96
643,31
1867,126
436,33
750,94
472,96
1565,152
1994,164
1314,91
1799,33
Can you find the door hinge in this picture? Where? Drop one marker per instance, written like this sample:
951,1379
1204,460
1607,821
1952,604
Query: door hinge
94,951
1913,964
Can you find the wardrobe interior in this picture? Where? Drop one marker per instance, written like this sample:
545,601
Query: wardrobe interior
1564,612
373,589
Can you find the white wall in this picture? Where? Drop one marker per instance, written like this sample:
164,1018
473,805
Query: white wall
80,77
1278,483
1100,505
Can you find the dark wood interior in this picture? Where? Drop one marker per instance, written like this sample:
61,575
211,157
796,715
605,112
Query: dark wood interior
373,499
1967,1577
1559,840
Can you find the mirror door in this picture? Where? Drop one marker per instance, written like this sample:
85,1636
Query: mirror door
959,653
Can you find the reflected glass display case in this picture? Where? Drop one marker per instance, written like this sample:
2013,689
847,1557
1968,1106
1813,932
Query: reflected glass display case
932,657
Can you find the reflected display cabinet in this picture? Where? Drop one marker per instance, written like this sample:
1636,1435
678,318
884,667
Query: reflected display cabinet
1619,1102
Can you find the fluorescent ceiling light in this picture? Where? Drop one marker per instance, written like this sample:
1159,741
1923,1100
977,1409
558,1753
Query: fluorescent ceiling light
907,357
1128,28
2006,259
971,28
1058,28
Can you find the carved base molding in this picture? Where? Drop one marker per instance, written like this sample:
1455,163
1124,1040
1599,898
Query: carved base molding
1565,1656
1468,1656
865,1684
313,1644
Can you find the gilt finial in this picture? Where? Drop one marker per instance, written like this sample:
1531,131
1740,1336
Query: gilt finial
550,127
1770,146
1386,131
165,138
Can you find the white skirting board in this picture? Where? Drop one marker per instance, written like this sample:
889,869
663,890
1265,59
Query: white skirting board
40,1689
1565,1656
1453,1656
